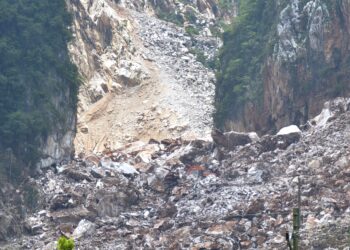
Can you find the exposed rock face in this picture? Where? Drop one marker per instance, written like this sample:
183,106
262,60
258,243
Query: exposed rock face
308,65
59,145
183,197
141,78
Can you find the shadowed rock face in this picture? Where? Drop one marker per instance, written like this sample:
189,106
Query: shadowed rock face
9,226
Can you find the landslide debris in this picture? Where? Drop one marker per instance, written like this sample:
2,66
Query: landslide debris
196,194
142,78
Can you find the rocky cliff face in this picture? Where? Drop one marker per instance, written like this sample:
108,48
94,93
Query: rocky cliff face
39,86
307,65
142,78
58,146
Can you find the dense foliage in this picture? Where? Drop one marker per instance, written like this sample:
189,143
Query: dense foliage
225,4
247,42
34,68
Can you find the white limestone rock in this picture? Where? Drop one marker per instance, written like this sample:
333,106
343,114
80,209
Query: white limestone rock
289,130
84,228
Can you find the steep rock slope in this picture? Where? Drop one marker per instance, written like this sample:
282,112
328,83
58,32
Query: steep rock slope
141,75
38,86
300,58
178,194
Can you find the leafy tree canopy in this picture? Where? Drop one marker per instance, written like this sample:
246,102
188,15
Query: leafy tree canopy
34,70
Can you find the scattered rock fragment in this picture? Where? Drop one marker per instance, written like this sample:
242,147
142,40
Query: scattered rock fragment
85,228
184,197
76,175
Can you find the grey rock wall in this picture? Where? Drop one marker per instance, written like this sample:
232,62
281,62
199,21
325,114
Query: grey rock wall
308,65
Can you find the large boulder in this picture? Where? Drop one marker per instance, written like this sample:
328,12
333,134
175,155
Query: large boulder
61,201
113,203
76,174
72,215
232,139
84,228
292,129
331,110
285,137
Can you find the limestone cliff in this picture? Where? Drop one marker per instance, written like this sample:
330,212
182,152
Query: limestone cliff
305,62
141,71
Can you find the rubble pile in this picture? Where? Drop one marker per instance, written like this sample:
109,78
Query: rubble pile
190,85
178,194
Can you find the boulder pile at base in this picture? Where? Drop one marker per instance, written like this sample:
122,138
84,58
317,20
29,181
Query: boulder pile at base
177,194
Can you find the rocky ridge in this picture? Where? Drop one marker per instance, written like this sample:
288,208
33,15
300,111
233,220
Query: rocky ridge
177,194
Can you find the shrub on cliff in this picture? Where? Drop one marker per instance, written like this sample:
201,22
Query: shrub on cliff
65,244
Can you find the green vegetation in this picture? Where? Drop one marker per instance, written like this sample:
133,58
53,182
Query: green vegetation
190,15
225,4
191,30
35,70
247,42
65,244
170,17
202,58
